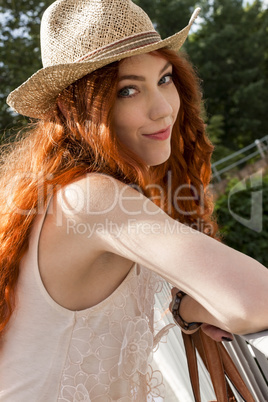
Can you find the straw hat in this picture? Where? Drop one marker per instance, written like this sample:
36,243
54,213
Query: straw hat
80,36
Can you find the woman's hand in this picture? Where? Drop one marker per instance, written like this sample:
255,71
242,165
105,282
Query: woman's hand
215,333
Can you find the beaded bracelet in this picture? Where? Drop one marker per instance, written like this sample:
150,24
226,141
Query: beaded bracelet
186,327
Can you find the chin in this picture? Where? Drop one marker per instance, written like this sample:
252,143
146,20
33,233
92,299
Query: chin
158,161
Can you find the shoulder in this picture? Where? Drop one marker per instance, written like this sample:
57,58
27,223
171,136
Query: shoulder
99,195
90,193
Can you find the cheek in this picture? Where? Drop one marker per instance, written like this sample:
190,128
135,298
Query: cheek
126,120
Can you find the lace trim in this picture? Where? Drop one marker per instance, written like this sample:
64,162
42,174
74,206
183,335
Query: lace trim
110,353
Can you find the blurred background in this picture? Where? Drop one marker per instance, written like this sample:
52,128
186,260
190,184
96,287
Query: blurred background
228,46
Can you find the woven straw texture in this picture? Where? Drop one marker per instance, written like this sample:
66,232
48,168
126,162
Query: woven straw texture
80,36
93,19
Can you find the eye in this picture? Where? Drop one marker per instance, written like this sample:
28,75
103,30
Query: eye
166,79
127,92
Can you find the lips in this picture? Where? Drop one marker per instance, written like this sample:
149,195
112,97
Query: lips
159,135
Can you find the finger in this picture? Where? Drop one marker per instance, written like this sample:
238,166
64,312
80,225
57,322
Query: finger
215,333
174,291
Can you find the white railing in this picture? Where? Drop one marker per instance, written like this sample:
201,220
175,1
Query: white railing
259,148
253,367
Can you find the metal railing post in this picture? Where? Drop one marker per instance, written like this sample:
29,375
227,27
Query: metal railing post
215,173
259,147
262,151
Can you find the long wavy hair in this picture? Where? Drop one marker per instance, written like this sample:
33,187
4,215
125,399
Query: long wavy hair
78,138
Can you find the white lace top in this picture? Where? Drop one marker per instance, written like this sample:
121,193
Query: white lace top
100,354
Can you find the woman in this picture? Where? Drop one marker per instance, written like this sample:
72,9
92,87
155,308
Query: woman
110,180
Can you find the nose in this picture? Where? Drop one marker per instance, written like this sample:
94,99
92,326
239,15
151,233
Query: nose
159,106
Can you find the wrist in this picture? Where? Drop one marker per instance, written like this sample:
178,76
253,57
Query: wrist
192,311
189,309
182,319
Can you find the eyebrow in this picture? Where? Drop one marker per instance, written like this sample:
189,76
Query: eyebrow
141,78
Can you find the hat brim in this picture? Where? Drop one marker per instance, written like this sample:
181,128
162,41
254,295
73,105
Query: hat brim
37,96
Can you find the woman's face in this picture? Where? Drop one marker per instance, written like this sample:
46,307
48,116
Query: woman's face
146,107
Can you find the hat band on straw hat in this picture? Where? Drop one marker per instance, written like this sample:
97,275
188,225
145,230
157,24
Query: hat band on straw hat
123,45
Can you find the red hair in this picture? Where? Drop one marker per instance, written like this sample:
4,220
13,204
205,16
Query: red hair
79,138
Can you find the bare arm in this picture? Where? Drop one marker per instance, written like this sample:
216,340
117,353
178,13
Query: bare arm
231,287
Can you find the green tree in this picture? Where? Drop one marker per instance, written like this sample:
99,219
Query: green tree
235,234
230,52
169,16
19,51
215,131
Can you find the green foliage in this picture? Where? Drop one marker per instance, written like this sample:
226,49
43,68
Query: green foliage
235,234
169,16
19,51
230,52
215,128
215,131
